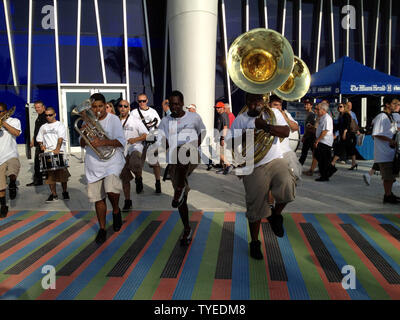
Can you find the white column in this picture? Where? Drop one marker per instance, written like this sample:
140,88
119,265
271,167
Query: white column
193,38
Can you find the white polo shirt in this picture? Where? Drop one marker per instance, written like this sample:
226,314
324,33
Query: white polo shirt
325,123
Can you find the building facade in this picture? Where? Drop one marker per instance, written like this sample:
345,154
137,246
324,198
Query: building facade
61,51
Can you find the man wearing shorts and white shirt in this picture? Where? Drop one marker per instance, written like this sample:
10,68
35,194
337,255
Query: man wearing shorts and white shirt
52,138
269,174
149,114
9,158
103,175
135,133
384,147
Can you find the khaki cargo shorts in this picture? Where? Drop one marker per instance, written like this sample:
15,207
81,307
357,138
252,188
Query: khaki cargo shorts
386,169
134,163
60,175
98,190
8,168
274,176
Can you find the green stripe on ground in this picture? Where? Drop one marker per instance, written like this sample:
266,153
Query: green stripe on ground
205,279
393,219
28,214
62,213
315,286
100,279
367,280
258,276
382,242
150,283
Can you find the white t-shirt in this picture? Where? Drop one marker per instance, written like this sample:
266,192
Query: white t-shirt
133,128
285,143
8,142
96,169
148,115
383,127
396,117
179,131
325,123
49,133
244,121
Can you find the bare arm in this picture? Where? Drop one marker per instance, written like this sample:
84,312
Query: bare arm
292,124
11,129
277,131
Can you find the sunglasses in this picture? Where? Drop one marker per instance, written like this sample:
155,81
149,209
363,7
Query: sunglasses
123,106
49,115
142,101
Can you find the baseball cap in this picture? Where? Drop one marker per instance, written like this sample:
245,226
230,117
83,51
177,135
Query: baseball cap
307,101
220,104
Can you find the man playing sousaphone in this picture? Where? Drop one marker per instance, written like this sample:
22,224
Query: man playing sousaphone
271,173
52,138
103,174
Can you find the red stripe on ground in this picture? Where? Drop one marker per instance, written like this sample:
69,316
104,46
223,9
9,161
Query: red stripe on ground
166,287
230,217
376,225
278,290
13,280
113,284
22,223
37,235
63,282
335,290
392,291
221,289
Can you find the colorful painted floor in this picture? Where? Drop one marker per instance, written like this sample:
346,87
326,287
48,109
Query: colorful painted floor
145,261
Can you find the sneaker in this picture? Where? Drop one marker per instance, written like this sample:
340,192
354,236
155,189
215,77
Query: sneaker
158,186
228,170
52,198
179,197
220,171
101,236
255,250
186,237
331,170
3,211
276,222
117,221
322,179
391,199
65,195
209,166
396,184
367,178
139,184
127,205
12,189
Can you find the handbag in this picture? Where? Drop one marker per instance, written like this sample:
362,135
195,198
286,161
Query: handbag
354,126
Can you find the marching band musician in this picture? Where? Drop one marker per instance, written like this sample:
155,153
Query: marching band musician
147,115
52,137
10,129
103,175
177,127
135,133
270,174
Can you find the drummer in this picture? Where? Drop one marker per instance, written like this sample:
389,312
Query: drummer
52,139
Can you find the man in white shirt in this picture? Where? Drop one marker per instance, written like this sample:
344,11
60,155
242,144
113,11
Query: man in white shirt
52,138
324,141
384,147
10,129
182,130
269,174
151,120
135,133
103,175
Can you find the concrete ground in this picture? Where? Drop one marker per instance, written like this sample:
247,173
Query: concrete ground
345,192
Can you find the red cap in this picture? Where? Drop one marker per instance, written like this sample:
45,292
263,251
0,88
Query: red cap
220,104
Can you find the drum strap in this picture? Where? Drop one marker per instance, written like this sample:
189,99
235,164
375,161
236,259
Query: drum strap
123,126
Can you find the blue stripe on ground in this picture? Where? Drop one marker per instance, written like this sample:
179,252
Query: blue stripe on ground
13,217
37,275
383,220
95,266
39,242
296,285
355,294
346,219
134,280
240,289
26,227
187,280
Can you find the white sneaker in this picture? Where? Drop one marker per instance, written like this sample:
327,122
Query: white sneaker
367,179
396,184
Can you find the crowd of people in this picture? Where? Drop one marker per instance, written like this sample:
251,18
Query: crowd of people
269,185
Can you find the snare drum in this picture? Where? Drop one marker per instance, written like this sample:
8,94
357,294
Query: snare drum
51,162
294,140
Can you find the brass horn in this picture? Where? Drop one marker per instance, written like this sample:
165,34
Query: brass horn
298,83
260,60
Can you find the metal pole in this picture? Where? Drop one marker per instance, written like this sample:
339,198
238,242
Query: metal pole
148,44
29,71
228,83
103,68
78,40
127,80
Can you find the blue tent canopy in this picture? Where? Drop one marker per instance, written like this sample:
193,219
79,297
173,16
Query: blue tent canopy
350,77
